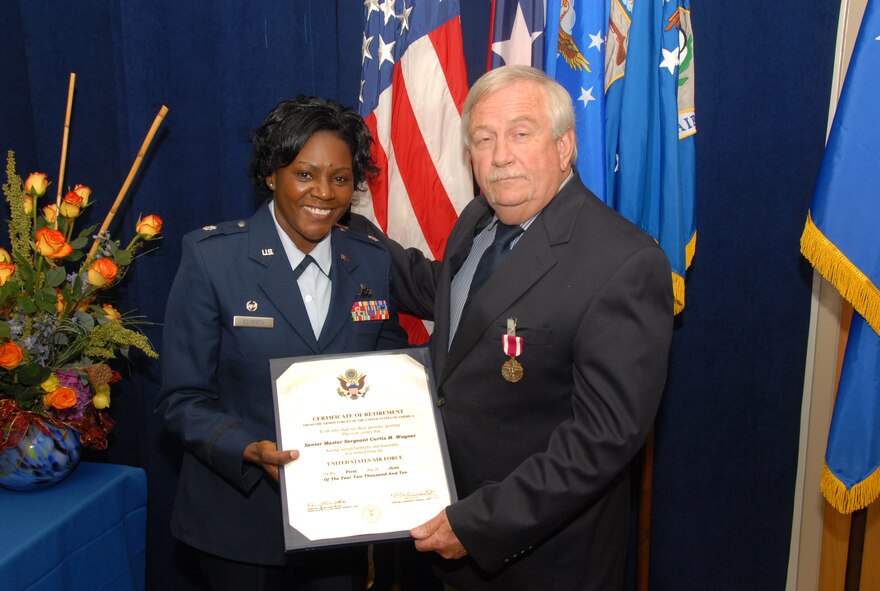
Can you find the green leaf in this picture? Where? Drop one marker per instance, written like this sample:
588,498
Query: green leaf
55,276
122,258
74,256
79,243
5,333
45,299
27,305
33,375
85,320
25,395
88,231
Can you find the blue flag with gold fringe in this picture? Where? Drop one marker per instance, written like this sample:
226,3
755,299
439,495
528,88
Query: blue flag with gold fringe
840,240
651,123
574,55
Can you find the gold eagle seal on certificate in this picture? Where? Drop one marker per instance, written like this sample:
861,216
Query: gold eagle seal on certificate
352,383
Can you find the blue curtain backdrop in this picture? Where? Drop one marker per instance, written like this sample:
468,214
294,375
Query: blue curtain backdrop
727,432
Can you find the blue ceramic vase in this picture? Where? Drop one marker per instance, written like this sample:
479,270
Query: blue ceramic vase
40,460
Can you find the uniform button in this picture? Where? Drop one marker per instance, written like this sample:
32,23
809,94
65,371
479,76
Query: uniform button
308,298
441,401
241,224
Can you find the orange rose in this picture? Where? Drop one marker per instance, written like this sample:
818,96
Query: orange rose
61,398
5,257
50,212
10,355
102,272
84,192
59,301
149,226
111,313
28,204
71,205
36,184
6,271
51,244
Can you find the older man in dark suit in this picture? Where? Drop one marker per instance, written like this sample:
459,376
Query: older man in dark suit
553,319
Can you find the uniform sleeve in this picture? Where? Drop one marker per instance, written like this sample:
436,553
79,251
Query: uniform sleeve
414,276
618,373
189,397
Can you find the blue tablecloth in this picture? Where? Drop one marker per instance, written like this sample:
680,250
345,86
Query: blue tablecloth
88,532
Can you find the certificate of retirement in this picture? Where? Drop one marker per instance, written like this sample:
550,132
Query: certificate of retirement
373,461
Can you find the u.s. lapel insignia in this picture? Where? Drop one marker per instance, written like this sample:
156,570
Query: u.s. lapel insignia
512,370
267,252
251,306
344,257
364,292
210,228
352,383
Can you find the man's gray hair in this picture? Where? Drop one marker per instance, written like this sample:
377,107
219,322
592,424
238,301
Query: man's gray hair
558,99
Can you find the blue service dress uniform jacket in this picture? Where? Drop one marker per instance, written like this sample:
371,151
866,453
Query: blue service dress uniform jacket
216,393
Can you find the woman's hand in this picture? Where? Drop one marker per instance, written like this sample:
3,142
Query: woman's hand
265,455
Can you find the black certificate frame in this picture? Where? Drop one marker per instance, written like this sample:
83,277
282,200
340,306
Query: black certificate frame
294,540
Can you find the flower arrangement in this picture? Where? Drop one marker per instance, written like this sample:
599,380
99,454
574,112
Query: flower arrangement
56,334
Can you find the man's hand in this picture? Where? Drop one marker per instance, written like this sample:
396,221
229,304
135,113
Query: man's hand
437,536
266,455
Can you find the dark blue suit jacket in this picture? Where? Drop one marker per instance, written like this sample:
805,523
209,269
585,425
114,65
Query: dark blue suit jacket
541,464
216,392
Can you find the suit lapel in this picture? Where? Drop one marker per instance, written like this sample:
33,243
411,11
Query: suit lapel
278,282
457,249
531,259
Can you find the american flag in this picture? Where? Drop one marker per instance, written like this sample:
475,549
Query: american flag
413,85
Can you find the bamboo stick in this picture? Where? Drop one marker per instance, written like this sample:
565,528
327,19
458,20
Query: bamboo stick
64,137
131,173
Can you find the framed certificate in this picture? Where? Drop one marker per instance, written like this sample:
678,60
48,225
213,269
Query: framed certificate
373,460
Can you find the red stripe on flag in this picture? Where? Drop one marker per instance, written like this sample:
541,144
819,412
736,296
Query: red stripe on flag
415,329
447,44
491,36
430,203
379,184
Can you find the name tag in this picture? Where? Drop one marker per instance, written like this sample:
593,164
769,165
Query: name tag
253,321
369,310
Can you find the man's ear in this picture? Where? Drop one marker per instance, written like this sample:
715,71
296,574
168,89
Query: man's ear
565,148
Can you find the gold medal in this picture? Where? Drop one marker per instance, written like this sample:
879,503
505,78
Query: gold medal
511,370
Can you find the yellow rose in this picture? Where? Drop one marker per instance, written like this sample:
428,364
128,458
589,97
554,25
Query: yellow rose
5,257
102,272
50,212
84,192
149,226
10,355
6,271
28,204
51,244
101,400
111,313
60,398
36,184
51,383
71,205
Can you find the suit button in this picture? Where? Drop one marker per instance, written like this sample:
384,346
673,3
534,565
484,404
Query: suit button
441,401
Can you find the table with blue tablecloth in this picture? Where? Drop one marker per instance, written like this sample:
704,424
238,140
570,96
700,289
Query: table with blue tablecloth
87,532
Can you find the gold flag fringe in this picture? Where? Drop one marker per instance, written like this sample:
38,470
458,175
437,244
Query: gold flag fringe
678,280
849,280
677,293
848,500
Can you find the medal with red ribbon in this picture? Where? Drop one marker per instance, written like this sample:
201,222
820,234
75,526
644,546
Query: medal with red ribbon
512,370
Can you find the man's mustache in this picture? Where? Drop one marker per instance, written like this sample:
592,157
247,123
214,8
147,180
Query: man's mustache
503,176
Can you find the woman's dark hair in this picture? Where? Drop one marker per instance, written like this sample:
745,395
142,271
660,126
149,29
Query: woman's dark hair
291,123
